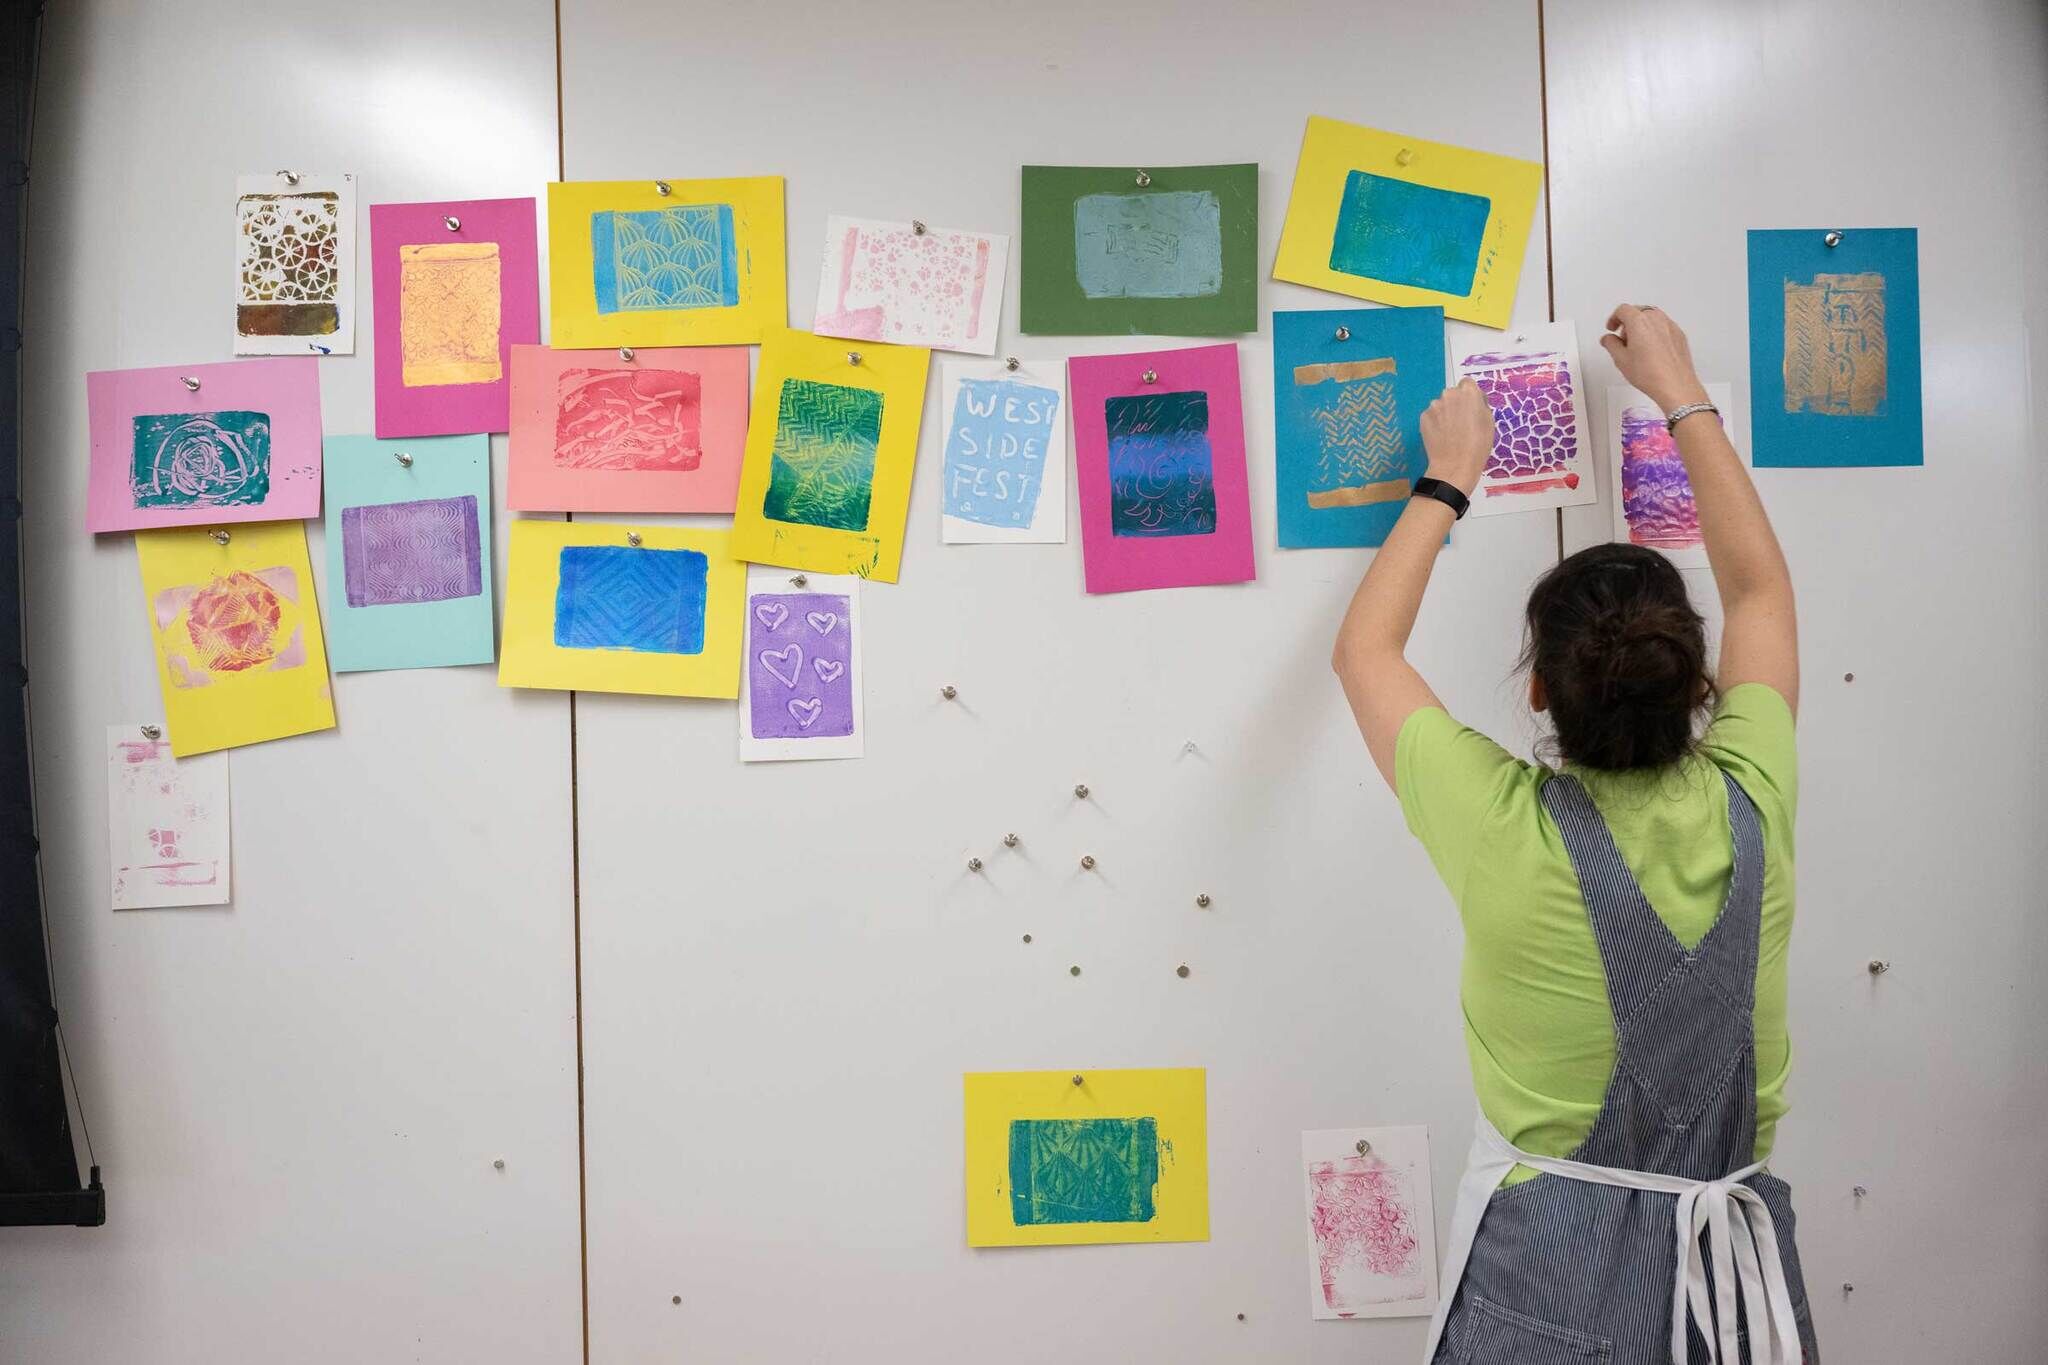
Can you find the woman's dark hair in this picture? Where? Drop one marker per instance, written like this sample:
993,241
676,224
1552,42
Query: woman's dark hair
1622,657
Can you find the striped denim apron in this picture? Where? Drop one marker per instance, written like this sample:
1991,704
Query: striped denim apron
1628,1251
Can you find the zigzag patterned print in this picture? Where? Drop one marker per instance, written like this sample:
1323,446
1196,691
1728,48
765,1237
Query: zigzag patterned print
620,597
683,257
821,469
1362,450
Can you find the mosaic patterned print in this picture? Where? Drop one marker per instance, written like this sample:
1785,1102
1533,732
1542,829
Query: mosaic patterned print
1535,435
287,248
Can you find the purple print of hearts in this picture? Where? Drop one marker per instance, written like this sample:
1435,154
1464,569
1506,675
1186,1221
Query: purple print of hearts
771,614
822,621
828,670
806,713
792,656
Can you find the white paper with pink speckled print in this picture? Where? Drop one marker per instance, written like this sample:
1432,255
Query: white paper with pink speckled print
911,285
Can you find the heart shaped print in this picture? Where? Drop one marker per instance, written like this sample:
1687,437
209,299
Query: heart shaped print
772,614
805,713
791,659
828,670
822,621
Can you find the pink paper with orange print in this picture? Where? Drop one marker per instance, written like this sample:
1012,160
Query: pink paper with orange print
457,286
911,285
595,432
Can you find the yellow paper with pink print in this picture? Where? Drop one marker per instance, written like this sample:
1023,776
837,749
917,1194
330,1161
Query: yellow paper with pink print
239,653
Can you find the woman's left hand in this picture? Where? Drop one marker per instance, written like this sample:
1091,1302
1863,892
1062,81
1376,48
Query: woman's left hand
1457,432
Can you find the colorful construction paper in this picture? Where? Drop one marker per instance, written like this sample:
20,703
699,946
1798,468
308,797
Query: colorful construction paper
1349,387
830,450
1542,448
1834,347
409,552
595,432
1004,479
167,823
586,608
1159,462
1158,251
910,284
1648,488
666,262
1070,1158
800,679
295,264
451,303
1371,1223
239,652
244,445
1395,219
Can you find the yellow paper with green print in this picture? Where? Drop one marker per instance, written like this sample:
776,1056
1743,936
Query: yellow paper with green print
665,262
1395,219
239,653
831,444
1067,1158
597,607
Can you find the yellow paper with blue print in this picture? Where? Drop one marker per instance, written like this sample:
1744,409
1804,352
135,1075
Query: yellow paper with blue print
1395,219
239,653
1070,1158
596,607
831,444
701,264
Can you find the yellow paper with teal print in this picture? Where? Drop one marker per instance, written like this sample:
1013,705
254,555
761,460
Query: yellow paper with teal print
1395,219
598,607
239,653
831,444
703,264
1069,1158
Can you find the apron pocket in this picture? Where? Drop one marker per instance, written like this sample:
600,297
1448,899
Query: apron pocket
1501,1336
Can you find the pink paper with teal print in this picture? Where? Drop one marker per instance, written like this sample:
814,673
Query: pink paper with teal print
1542,452
1159,460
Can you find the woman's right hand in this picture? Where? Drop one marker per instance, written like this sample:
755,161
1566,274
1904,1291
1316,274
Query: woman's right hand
1651,353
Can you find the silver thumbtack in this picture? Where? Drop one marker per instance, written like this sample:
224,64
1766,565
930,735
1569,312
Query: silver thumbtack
1143,179
190,381
1848,677
1073,971
853,357
661,187
974,864
675,1298
1080,791
798,581
1832,239
633,539
917,227
949,691
220,537
1027,938
1151,376
1404,156
626,353
1240,1317
499,1164
1010,841
1848,1288
1202,900
152,732
1087,862
1077,1078
1343,333
403,458
290,177
1879,966
1363,1146
454,223
1188,747
1181,970
1858,1191
1010,363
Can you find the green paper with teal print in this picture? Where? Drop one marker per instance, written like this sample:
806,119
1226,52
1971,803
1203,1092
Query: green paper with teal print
1104,255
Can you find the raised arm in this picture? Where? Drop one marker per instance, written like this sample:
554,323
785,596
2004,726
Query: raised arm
1759,631
1370,657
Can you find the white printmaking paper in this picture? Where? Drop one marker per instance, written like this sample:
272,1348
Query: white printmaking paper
167,822
1371,1224
1542,449
940,287
295,264
1004,459
1646,481
800,680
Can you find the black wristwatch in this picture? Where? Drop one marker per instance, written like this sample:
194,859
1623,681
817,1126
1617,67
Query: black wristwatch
1426,487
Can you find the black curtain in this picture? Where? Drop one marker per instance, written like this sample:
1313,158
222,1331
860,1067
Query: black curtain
38,1165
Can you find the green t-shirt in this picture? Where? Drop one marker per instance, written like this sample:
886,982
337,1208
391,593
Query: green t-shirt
1537,1024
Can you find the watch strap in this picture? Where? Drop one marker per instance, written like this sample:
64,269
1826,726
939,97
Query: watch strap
1449,496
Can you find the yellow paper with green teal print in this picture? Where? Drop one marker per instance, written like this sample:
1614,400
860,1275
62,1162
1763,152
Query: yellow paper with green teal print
1399,220
599,607
1067,1158
702,264
831,445
239,651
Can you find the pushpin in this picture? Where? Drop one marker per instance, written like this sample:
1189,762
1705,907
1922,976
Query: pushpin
1087,862
1404,156
1073,971
917,227
1879,966
1011,362
853,357
1832,239
633,539
675,1298
152,732
1027,938
1077,1078
220,537
1343,333
949,691
404,459
1202,899
1080,791
798,581
1364,1147
661,187
626,353
1010,841
1151,376
191,381
1848,1288
454,223
1858,1191
290,177
1848,677
499,1164
1143,179
1181,971
974,864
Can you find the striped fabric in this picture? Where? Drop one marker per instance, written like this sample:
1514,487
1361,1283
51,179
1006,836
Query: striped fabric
1563,1270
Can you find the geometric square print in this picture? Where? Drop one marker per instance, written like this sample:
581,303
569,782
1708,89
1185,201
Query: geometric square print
631,598
405,552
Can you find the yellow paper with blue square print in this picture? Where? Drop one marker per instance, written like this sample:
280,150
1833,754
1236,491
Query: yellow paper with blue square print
239,651
1170,1105
703,264
1431,184
612,654
831,445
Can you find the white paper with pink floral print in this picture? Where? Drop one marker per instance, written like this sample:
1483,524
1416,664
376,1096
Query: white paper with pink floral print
1371,1225
911,285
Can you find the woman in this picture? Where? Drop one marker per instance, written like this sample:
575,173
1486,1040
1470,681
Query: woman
1626,918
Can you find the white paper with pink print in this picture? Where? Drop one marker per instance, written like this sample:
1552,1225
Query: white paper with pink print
911,285
167,822
1542,450
1371,1224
